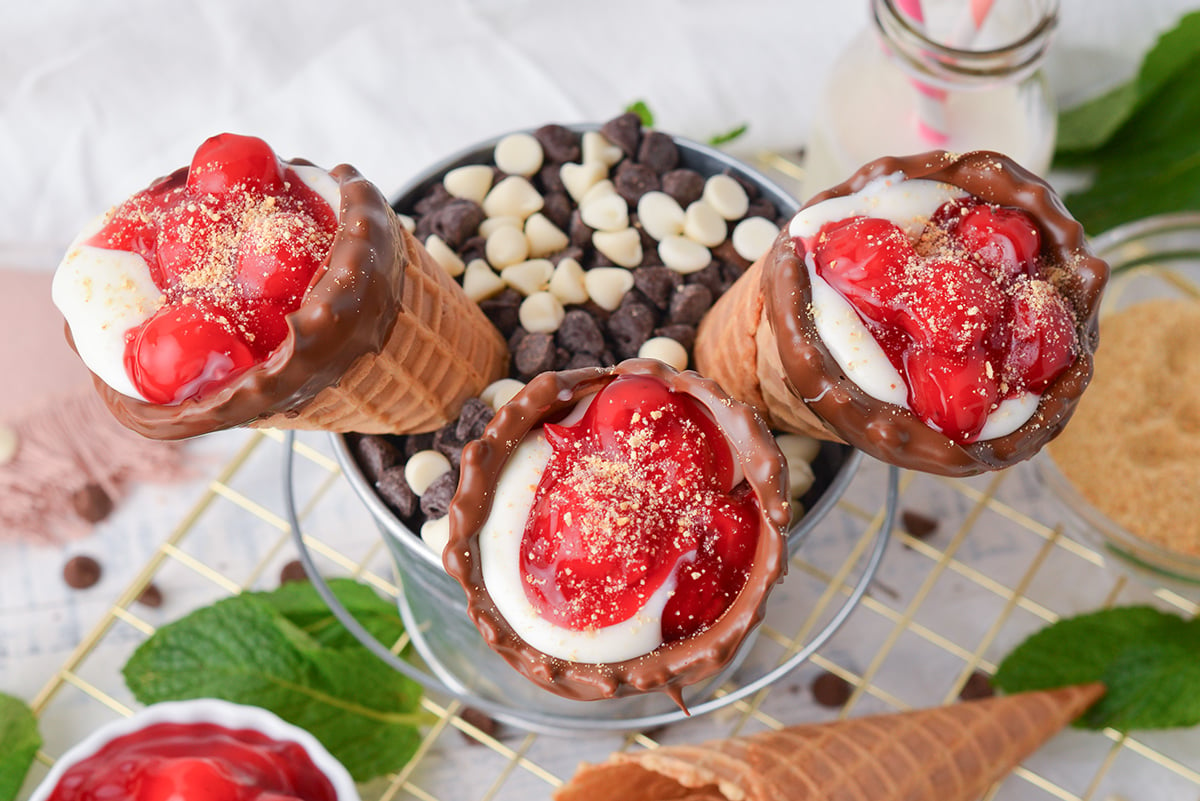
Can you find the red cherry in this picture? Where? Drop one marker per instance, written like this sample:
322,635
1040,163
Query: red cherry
952,392
228,160
193,778
952,306
862,258
274,261
181,352
1005,240
263,326
1043,341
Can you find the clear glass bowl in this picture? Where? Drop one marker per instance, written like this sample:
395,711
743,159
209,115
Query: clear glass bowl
1157,257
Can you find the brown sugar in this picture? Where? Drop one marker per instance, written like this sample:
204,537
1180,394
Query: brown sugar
1132,448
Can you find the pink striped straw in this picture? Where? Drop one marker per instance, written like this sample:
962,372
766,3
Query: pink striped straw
931,100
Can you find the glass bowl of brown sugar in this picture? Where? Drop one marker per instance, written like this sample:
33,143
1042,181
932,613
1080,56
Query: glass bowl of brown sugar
1126,469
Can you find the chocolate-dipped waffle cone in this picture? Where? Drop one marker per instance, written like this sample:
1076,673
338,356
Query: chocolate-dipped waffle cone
950,753
383,342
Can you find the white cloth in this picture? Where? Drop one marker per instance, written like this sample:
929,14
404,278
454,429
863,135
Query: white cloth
96,99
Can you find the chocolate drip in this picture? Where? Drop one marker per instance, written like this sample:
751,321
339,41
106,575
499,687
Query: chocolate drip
674,665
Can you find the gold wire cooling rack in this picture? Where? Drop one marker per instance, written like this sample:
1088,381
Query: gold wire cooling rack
942,607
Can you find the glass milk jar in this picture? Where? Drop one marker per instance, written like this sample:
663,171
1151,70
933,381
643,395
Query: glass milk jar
956,75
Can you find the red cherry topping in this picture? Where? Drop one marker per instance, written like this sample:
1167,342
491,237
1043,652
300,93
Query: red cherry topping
963,312
228,161
637,492
183,352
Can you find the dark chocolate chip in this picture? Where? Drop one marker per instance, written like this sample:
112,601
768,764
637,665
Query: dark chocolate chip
726,253
393,488
486,726
569,252
630,326
657,284
730,273
761,207
474,248
831,690
557,208
979,685
81,572
534,355
291,572
559,144
683,334
92,503
918,525
710,277
435,500
502,310
580,333
689,303
634,180
415,443
658,152
550,179
578,231
514,339
625,132
473,419
583,360
434,199
686,186
562,357
747,184
457,221
375,454
447,442
151,596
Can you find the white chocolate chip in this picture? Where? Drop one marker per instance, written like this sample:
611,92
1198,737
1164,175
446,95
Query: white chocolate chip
567,283
606,286
683,255
9,444
660,214
500,392
407,223
666,350
450,261
491,225
601,188
605,213
529,276
726,196
799,451
514,196
505,246
703,224
471,182
544,236
753,237
480,281
424,468
436,534
577,179
541,313
621,247
519,154
597,149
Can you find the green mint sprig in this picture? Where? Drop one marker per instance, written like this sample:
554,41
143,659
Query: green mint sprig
20,740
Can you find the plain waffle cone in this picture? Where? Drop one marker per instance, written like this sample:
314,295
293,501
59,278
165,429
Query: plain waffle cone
950,753
736,347
441,351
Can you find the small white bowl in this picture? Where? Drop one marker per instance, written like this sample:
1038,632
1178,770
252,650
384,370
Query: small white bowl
204,710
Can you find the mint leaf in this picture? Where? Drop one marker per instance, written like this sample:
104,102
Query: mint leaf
728,136
640,108
299,602
1148,659
21,741
244,649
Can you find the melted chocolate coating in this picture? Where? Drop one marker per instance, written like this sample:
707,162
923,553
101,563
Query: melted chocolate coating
347,313
892,433
674,665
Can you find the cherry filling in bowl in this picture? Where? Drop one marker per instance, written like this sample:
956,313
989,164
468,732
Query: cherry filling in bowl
617,529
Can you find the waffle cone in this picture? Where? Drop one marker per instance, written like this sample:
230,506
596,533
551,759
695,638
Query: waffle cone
441,351
950,753
736,347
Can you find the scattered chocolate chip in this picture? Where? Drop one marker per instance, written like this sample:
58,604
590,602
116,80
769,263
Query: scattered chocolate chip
634,180
447,442
918,525
375,454
979,685
502,310
689,303
474,248
457,221
730,272
580,333
393,488
473,419
151,597
570,252
533,355
583,360
415,443
831,690
435,500
473,717
686,186
710,277
683,334
751,189
658,152
293,571
657,284
630,326
81,572
432,201
557,207
625,132
550,178
92,503
578,231
761,207
726,254
558,143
